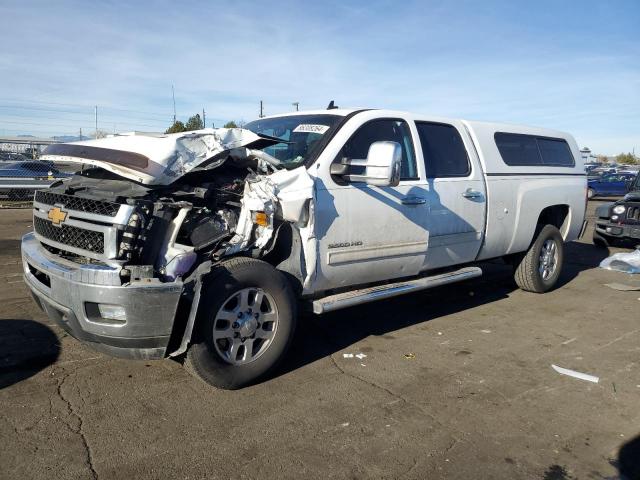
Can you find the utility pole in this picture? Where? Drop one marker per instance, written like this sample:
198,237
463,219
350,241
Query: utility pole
296,104
173,95
96,121
80,133
261,110
204,119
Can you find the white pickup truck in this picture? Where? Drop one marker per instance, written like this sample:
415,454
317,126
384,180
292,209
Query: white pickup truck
202,245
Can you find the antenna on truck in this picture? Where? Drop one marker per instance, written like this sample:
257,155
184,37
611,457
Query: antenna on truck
332,105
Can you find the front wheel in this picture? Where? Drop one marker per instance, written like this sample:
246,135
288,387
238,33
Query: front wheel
590,193
538,269
245,323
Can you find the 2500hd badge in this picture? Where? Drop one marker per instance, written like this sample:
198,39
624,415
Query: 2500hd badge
346,244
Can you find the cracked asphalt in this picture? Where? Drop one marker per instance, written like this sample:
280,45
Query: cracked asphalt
452,383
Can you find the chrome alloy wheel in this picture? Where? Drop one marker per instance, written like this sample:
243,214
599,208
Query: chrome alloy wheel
245,325
548,259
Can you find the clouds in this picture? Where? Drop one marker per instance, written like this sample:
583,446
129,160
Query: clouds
568,67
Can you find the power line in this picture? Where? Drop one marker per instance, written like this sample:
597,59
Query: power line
73,112
77,105
74,124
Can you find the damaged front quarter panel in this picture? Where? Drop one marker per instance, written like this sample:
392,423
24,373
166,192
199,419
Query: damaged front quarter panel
284,195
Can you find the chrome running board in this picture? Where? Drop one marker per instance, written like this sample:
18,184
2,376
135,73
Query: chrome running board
371,294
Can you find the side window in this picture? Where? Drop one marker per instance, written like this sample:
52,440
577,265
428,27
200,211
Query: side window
555,152
443,150
527,150
357,147
518,150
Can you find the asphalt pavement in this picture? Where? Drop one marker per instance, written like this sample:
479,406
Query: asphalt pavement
455,383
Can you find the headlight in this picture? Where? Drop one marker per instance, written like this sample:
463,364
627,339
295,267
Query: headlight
619,209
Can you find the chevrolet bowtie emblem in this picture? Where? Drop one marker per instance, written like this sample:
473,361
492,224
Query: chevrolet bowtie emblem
56,215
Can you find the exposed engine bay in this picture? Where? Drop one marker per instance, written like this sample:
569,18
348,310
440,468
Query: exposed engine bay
214,197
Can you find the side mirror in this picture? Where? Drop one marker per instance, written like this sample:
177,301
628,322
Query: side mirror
381,167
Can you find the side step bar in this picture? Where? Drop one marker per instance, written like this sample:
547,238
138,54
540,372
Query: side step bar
371,294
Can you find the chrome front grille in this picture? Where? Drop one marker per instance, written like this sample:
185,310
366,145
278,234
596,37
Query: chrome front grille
78,204
75,237
84,227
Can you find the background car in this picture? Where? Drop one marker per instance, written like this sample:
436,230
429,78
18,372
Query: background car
31,169
611,184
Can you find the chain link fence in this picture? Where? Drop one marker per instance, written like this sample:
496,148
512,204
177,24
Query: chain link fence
20,179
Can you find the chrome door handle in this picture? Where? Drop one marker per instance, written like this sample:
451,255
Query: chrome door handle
413,201
470,193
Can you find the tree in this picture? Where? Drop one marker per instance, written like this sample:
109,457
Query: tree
626,159
194,123
602,159
230,124
177,127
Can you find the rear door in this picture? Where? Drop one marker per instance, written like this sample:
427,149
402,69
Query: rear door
455,193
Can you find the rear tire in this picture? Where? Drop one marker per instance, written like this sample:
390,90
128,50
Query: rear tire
246,321
538,269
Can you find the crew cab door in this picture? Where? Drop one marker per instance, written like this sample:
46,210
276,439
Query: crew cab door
367,233
455,193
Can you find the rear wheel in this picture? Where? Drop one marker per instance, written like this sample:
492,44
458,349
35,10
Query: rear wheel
538,269
246,321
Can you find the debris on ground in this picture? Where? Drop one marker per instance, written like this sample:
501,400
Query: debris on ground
622,287
358,355
573,373
623,262
409,356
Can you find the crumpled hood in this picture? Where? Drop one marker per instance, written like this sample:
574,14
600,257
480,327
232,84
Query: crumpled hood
156,159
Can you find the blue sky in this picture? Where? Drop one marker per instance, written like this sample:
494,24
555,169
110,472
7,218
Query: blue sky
573,66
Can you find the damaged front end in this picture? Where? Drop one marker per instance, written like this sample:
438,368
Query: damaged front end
119,250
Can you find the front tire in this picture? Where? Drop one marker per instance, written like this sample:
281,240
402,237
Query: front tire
245,324
590,193
538,269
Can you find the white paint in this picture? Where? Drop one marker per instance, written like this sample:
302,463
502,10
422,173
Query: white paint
573,373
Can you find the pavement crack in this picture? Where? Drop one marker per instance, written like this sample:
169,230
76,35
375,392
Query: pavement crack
394,395
78,428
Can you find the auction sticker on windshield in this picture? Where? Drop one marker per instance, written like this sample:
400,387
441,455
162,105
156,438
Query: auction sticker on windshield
311,128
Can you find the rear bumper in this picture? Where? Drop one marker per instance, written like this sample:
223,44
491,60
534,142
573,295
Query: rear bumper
606,228
69,294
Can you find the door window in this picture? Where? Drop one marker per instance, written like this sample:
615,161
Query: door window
443,151
357,147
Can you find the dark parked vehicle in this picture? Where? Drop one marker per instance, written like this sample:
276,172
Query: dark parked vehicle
31,169
621,219
611,184
18,180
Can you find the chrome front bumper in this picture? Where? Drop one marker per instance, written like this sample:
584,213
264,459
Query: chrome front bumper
69,294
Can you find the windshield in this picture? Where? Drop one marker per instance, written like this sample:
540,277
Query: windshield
300,135
636,184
